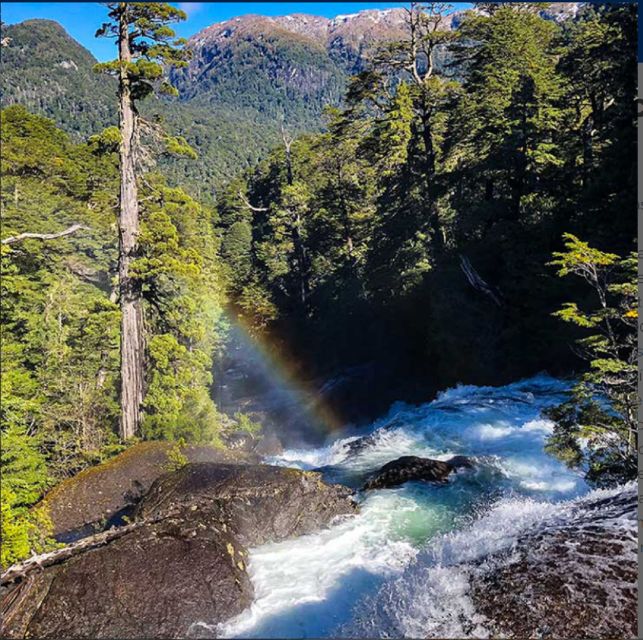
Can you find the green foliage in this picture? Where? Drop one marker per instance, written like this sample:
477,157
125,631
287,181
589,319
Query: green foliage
24,478
236,249
178,146
47,71
107,141
415,230
245,423
582,260
152,44
588,432
177,404
176,459
59,326
23,532
232,117
60,321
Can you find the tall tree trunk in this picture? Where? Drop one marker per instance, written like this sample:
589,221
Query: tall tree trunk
429,175
300,250
132,341
302,262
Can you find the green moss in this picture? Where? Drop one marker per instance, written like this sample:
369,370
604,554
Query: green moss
139,449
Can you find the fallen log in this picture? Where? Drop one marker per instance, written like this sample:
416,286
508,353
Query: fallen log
43,560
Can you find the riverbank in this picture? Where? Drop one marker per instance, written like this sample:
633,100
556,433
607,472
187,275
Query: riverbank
308,546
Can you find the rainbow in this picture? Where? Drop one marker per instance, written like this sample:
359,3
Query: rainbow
277,365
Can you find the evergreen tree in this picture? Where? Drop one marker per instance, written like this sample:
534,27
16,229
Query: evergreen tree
489,112
24,477
60,320
146,48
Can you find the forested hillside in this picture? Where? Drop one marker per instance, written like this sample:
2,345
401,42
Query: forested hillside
418,229
247,76
422,234
47,71
60,317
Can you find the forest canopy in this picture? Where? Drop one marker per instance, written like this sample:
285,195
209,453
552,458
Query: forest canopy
424,230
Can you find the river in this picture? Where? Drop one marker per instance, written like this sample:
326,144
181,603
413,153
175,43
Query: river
401,567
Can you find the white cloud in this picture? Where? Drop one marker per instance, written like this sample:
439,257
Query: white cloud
191,7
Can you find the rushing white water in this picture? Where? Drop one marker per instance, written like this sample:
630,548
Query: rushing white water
359,577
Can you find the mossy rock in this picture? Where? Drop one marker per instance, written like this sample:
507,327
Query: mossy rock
99,496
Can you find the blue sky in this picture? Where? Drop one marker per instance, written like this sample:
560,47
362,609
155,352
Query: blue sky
81,19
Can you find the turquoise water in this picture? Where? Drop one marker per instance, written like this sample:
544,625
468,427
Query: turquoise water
355,577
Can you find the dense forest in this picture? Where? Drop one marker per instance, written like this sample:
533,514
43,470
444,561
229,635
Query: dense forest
472,225
417,230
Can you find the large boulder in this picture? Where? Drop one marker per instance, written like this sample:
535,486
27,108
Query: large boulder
409,468
269,445
261,502
183,562
460,462
152,583
261,445
576,578
99,495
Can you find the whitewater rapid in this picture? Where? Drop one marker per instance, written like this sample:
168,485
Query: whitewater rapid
400,568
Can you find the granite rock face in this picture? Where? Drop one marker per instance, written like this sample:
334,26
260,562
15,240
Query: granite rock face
182,570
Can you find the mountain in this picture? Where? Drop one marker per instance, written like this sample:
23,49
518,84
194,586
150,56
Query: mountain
248,76
343,41
255,73
46,70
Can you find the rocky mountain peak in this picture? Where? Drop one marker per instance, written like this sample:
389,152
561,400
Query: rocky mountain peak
374,24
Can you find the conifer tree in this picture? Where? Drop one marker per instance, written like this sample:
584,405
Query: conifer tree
587,432
146,48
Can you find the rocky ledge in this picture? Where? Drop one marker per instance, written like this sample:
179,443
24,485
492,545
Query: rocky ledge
182,560
98,496
572,578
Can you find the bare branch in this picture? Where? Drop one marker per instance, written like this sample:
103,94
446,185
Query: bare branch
286,138
44,236
245,201
56,556
474,279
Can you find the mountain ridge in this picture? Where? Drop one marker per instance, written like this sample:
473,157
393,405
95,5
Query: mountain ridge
248,76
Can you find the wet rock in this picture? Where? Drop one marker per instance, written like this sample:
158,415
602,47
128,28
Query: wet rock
461,462
240,441
269,445
153,583
571,579
87,502
261,502
408,468
185,561
359,445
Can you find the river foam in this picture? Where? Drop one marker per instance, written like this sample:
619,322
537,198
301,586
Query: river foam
359,577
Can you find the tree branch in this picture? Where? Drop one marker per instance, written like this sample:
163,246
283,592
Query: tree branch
476,281
43,236
286,138
53,557
256,209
